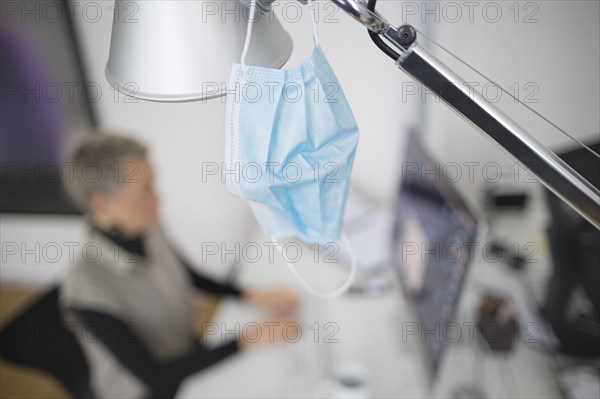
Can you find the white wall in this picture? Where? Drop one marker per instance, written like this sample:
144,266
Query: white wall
559,53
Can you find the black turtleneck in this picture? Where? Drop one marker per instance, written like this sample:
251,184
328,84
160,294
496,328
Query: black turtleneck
134,245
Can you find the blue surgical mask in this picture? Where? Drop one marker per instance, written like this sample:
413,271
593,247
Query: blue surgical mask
291,139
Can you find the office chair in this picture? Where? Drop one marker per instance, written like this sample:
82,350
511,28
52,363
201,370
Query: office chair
575,246
38,339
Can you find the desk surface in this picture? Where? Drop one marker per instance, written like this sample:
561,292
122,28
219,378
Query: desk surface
348,329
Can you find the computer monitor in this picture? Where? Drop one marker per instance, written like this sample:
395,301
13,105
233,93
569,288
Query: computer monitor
433,241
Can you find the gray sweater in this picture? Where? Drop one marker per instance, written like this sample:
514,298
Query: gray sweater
151,294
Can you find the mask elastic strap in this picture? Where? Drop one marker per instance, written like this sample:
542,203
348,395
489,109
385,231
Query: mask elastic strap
314,21
251,20
338,291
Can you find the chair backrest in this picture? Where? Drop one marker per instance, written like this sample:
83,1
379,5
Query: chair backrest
38,338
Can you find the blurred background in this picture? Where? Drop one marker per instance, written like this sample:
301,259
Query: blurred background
545,53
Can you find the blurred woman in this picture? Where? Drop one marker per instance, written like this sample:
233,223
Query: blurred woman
129,297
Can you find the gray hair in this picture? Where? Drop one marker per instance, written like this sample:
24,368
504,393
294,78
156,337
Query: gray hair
99,164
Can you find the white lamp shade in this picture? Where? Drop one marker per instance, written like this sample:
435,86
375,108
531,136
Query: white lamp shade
182,50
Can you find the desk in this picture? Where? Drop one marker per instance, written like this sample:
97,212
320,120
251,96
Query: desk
363,329
369,332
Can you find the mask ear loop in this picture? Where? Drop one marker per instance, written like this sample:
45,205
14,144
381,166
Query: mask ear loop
338,291
251,20
313,18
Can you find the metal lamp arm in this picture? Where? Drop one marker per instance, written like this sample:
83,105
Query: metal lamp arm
425,68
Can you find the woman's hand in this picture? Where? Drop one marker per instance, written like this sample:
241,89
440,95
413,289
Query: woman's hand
280,300
273,330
